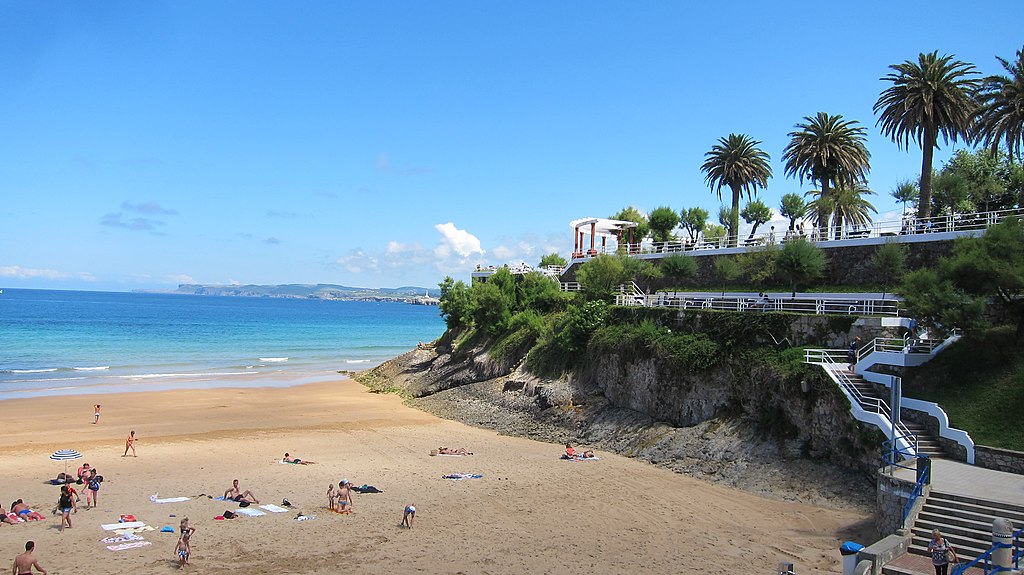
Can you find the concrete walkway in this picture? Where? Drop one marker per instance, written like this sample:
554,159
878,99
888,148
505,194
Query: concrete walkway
962,479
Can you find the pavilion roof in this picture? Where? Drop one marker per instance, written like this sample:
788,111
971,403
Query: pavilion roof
603,226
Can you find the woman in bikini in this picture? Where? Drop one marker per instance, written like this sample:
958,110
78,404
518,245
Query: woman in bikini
130,444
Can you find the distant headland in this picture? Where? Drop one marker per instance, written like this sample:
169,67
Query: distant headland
407,294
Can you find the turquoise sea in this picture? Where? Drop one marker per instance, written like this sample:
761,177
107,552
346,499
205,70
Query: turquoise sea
75,342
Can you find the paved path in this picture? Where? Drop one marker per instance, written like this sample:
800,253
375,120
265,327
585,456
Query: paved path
961,479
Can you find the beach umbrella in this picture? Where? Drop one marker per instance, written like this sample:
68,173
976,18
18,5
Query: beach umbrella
65,455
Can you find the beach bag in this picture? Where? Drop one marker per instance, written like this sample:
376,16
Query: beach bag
243,503
229,515
950,556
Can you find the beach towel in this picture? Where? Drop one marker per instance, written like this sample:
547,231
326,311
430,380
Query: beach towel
367,489
250,512
581,458
130,524
133,530
15,518
132,545
461,476
305,517
155,499
273,508
121,538
453,454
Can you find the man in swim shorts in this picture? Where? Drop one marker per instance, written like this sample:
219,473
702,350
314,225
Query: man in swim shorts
24,563
296,460
236,494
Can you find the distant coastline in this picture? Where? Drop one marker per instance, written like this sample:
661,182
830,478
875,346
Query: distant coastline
405,294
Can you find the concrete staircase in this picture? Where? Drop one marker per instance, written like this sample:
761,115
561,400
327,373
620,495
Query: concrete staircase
867,394
966,521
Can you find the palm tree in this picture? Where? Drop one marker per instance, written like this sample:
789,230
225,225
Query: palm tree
927,98
847,205
830,151
1001,116
905,191
737,162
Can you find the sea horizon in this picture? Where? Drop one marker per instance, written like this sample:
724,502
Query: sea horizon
73,342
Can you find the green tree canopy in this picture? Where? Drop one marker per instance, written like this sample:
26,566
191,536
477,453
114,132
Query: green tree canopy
799,263
906,191
601,276
846,204
552,259
755,213
738,163
889,261
693,220
727,269
455,303
793,207
631,214
679,268
662,221
928,98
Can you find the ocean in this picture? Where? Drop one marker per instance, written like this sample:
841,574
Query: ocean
76,342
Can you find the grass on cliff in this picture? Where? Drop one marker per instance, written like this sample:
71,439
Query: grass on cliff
979,382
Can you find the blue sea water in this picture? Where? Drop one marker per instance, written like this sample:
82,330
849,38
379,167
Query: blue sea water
75,342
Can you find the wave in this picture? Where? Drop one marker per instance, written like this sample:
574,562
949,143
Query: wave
47,370
358,360
100,368
164,375
273,359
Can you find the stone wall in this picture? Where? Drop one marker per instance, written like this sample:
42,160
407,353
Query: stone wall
950,448
999,459
893,494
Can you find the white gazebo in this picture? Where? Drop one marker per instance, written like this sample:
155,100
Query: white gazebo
602,227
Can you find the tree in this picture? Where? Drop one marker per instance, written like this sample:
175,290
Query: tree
846,204
793,207
950,194
905,191
758,265
601,276
631,214
799,262
726,271
755,213
679,268
1001,114
713,233
552,259
736,162
928,98
889,261
454,302
986,176
662,221
693,220
538,292
830,151
492,306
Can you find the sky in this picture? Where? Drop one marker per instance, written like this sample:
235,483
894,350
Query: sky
392,143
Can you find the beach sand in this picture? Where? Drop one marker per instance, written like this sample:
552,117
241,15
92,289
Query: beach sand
530,513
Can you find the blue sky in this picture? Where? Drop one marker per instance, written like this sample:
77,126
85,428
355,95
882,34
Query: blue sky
144,144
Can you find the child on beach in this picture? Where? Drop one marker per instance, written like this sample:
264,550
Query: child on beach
182,551
330,498
407,516
92,491
130,444
65,503
186,531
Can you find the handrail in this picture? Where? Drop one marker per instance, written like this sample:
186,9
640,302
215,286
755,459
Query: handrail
923,480
906,226
1016,555
737,302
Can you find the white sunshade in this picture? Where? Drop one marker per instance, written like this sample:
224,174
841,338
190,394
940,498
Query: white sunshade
602,226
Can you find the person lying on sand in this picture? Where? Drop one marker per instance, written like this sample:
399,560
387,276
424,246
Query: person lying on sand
450,451
570,453
22,510
4,518
236,494
296,460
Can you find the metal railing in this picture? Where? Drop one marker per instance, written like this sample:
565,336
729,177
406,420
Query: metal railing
984,561
832,361
906,226
802,305
570,286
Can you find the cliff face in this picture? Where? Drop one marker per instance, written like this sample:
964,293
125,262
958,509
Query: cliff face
746,422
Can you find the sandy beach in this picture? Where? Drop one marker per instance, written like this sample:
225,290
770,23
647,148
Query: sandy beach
529,513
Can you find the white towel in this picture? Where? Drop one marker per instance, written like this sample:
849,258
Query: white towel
155,499
249,512
131,545
273,508
128,525
121,538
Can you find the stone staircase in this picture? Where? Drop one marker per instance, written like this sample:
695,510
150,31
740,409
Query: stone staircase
966,521
927,444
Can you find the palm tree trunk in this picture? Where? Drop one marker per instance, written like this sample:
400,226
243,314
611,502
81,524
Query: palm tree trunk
924,208
823,211
734,220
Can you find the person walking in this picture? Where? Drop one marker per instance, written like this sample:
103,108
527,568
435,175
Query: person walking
65,503
942,553
853,354
130,444
24,563
96,413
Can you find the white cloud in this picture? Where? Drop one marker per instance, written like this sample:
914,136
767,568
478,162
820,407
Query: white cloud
181,279
460,241
19,272
357,261
503,253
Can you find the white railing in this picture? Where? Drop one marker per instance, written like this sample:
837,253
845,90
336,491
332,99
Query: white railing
631,295
873,410
860,305
903,352
570,286
907,226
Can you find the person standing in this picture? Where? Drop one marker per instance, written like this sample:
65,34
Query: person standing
96,413
942,553
24,563
853,354
92,490
65,503
130,444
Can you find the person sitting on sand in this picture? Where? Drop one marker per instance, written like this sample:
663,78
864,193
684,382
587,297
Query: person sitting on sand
570,453
296,460
22,510
236,494
450,451
83,472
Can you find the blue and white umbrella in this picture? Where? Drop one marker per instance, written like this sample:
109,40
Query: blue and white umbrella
65,455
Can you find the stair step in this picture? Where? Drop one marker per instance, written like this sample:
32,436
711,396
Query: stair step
973,510
988,506
957,519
